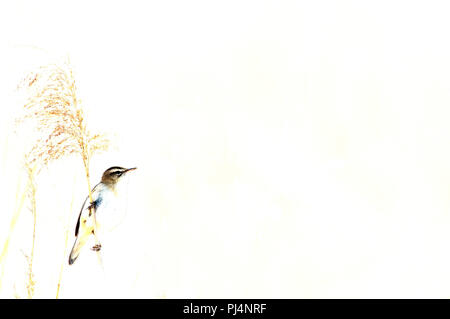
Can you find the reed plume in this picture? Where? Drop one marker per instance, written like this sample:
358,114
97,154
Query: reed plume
54,106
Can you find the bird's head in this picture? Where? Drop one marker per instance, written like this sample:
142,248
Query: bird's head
114,174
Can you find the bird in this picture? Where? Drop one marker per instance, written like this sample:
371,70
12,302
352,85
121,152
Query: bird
104,212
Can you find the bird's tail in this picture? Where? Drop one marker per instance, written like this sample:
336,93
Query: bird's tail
79,243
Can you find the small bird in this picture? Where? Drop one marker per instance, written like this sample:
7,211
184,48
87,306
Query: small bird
104,212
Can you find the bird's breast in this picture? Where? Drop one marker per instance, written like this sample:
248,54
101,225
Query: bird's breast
111,212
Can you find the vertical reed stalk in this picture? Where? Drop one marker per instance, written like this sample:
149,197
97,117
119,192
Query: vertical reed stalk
19,204
86,167
32,199
66,239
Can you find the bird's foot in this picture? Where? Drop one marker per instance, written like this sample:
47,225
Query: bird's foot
97,247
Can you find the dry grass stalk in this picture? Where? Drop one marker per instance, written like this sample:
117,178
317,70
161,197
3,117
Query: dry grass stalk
31,193
20,200
53,106
66,238
30,277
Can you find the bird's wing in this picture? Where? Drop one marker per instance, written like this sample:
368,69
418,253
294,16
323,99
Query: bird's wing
94,204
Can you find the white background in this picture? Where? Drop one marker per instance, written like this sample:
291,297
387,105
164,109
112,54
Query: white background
284,148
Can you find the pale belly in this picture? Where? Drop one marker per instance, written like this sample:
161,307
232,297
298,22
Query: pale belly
111,213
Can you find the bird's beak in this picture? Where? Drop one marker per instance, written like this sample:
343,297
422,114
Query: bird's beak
130,169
